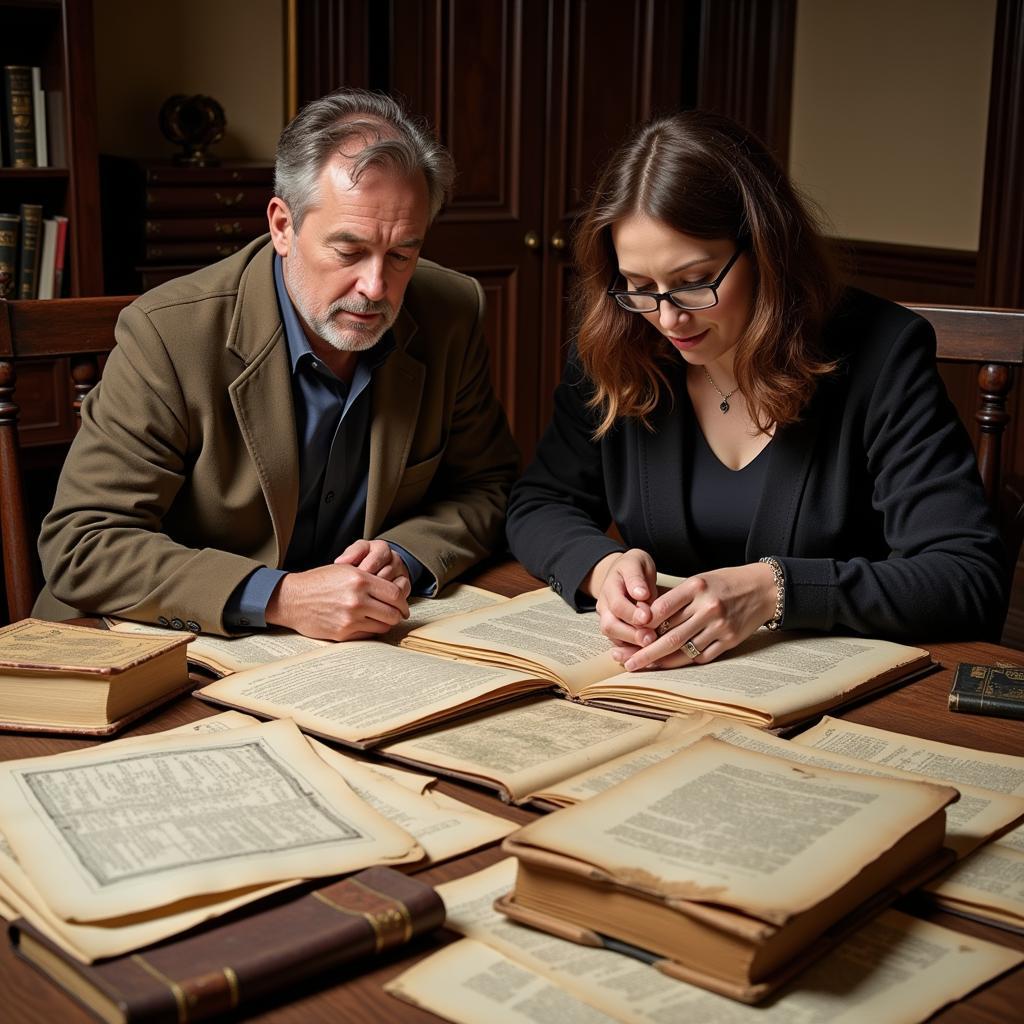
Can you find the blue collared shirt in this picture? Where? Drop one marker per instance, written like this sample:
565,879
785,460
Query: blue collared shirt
332,426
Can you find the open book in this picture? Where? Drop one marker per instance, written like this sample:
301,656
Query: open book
735,866
363,692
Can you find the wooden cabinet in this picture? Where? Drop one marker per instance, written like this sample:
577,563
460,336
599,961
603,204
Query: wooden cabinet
530,96
56,36
164,220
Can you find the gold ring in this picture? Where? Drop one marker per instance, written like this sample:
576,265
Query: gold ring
663,628
691,649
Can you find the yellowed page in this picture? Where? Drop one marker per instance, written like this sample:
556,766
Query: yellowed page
945,762
456,599
363,691
536,631
770,679
107,833
894,970
972,820
89,942
739,828
991,879
527,746
678,733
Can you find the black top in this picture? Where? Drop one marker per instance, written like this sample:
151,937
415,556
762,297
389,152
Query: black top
872,502
720,501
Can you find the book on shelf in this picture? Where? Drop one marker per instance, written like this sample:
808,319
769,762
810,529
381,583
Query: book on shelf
56,141
39,118
364,693
18,109
47,259
237,962
63,678
988,690
28,251
60,256
10,230
731,868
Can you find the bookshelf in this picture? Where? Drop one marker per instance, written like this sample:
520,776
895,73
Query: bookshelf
57,37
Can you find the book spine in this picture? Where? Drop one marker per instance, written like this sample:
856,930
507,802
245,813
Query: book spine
60,256
39,117
9,223
28,263
21,133
986,704
47,259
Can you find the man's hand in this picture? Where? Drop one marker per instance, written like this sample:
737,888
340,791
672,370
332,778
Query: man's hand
339,602
376,557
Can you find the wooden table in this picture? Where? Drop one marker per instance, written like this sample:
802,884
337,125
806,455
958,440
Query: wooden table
918,709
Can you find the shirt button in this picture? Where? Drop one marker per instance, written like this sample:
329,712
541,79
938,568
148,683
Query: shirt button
177,624
163,621
554,585
328,497
193,626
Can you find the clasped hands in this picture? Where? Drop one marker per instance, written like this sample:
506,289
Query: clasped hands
361,595
709,613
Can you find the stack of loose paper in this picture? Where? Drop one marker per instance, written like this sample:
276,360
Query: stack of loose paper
895,970
111,849
735,866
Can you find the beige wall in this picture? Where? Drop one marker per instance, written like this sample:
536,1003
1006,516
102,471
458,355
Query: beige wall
890,104
147,50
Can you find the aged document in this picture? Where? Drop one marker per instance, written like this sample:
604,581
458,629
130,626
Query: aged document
106,833
738,828
988,884
895,970
528,746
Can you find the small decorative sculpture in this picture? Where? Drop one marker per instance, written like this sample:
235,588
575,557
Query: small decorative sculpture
194,122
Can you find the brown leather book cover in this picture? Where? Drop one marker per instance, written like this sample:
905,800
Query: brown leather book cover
236,962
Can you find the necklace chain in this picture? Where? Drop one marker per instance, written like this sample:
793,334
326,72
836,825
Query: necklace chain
724,404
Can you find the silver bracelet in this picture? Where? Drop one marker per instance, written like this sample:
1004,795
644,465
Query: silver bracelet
780,590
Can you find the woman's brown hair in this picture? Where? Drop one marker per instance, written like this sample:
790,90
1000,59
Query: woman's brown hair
706,176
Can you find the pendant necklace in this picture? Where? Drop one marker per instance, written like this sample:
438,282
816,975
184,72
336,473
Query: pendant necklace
724,404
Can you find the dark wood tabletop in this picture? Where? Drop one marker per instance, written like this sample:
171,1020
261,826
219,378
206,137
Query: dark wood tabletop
355,994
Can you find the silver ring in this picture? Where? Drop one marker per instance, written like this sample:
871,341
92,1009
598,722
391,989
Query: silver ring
663,628
691,649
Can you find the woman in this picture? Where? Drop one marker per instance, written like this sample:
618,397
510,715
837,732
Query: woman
786,446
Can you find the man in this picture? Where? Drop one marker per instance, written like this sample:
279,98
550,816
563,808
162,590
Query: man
303,434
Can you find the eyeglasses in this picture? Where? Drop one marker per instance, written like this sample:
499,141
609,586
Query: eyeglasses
690,296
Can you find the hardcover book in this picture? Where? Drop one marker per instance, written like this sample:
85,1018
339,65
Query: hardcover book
28,253
9,225
731,868
19,101
988,690
61,678
236,962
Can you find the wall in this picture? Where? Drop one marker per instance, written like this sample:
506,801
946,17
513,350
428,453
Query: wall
890,108
232,50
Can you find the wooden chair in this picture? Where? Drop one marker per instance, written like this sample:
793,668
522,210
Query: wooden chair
70,337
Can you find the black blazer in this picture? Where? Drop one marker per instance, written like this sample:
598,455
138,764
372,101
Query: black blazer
872,502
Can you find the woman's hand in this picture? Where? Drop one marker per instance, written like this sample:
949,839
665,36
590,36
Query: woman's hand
709,613
624,586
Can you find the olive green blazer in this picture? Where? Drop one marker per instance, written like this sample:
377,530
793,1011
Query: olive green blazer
184,479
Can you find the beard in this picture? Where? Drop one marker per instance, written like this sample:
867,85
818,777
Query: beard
351,336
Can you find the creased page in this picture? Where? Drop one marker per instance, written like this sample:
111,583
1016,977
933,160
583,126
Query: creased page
770,679
469,982
363,691
894,970
990,883
945,762
536,631
972,820
528,746
108,833
89,942
715,823
677,733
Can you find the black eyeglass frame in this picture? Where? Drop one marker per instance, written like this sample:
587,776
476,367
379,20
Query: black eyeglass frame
713,286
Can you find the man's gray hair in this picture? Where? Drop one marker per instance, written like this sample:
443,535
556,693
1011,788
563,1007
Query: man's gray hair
381,134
